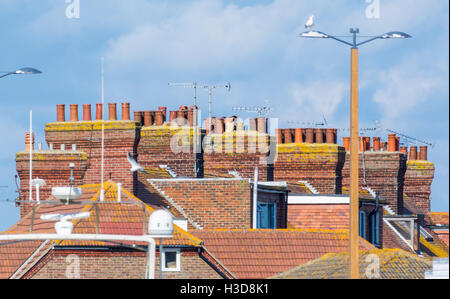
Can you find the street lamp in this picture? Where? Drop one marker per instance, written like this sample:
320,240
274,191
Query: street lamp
22,71
354,151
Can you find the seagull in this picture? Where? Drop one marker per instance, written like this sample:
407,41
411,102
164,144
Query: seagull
310,23
134,165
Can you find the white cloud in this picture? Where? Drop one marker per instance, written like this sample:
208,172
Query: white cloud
313,100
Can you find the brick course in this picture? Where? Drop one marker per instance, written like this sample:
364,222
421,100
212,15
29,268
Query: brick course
117,264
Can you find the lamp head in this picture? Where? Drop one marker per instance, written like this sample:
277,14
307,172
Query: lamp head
313,34
27,71
395,34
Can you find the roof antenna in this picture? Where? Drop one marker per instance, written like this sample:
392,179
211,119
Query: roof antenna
31,155
102,192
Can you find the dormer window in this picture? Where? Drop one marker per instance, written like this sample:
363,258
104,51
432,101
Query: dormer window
171,260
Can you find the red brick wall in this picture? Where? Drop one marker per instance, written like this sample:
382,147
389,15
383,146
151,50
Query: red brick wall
384,173
212,203
115,264
418,179
155,149
121,137
240,151
319,164
51,166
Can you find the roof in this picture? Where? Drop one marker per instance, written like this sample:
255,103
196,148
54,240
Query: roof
209,203
298,188
394,264
108,217
438,218
257,254
364,194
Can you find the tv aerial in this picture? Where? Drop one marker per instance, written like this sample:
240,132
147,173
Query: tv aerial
260,110
315,124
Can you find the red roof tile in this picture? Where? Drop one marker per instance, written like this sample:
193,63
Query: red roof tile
256,254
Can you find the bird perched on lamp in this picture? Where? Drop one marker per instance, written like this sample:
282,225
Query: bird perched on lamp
310,23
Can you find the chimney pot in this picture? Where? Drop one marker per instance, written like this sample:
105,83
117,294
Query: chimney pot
279,136
319,135
60,113
73,112
112,111
424,153
376,144
392,143
219,126
366,144
309,135
298,135
347,143
87,112
331,137
172,116
164,111
138,117
181,117
148,119
99,112
125,111
190,117
253,124
262,125
159,118
287,135
413,153
29,141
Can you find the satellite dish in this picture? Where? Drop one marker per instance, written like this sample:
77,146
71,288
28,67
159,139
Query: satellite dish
38,183
64,226
66,194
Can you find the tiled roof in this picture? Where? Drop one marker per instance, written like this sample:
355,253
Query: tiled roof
256,254
394,264
438,218
126,218
331,216
298,188
157,173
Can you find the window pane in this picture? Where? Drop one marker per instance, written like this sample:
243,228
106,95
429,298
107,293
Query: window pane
171,260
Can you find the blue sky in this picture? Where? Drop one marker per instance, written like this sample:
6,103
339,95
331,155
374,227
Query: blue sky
252,44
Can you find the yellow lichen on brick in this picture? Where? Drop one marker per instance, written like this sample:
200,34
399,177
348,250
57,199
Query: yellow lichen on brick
91,125
53,155
310,148
420,165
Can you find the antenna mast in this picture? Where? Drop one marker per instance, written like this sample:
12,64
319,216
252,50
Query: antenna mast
255,109
196,139
31,154
102,192
210,89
